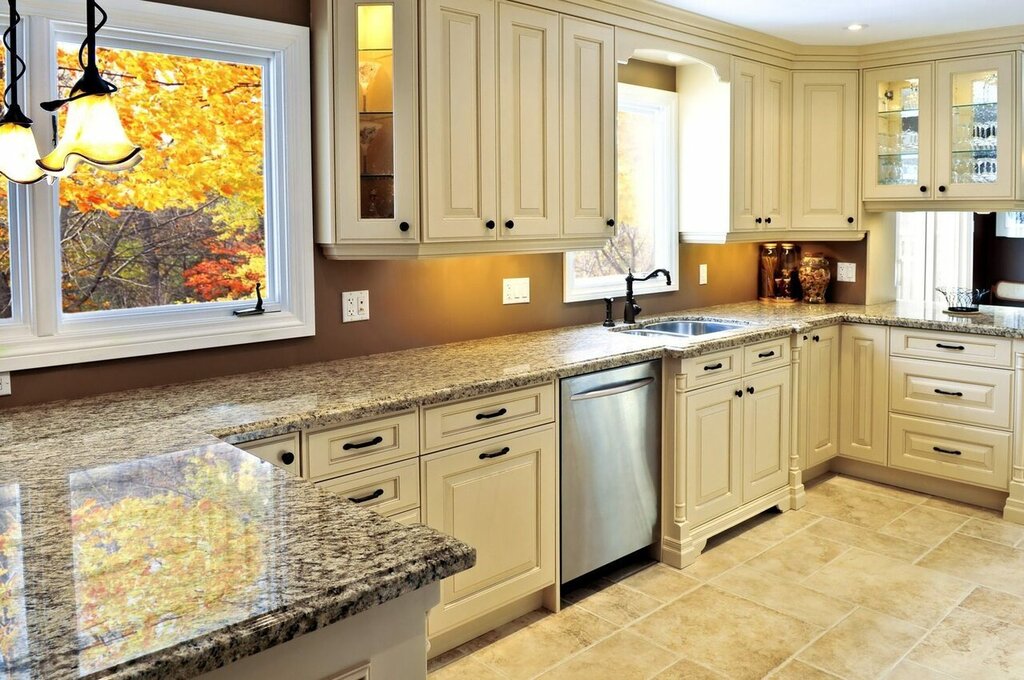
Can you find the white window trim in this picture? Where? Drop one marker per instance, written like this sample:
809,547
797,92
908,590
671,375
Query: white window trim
40,335
664,104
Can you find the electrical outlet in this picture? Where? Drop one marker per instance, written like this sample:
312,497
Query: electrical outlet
703,275
355,306
5,384
846,272
515,291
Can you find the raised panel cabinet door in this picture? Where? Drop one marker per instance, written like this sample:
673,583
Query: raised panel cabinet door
588,126
376,136
777,147
461,118
713,421
826,128
974,127
529,104
499,498
864,393
747,146
766,443
822,407
898,119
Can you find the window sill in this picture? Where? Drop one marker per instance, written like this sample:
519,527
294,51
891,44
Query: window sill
618,291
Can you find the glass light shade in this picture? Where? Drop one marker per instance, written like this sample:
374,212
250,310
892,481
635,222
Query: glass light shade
375,27
18,154
93,134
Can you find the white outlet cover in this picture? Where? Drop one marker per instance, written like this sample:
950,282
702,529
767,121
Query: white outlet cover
355,306
515,291
703,275
846,272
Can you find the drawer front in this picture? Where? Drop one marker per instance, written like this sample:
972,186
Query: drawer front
461,422
966,454
978,350
361,446
712,369
765,356
281,451
389,490
969,394
408,517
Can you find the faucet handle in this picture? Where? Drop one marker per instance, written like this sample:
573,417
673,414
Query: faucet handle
609,322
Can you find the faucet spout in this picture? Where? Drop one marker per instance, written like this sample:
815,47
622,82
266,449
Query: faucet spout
632,308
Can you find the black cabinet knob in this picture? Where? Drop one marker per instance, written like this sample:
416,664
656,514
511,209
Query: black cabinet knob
739,393
942,188
510,225
404,226
490,224
758,220
287,457
767,220
817,338
924,189
850,220
611,223
750,390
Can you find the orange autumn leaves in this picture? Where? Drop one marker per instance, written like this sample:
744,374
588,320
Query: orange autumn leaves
187,224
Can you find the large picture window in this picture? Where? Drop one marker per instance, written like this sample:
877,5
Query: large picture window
646,236
158,258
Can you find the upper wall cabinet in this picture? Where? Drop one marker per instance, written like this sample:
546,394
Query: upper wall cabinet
498,86
826,156
942,135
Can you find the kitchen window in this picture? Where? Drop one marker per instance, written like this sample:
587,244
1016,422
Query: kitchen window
157,258
933,250
646,236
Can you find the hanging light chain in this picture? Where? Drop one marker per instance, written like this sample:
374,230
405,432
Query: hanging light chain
90,38
18,66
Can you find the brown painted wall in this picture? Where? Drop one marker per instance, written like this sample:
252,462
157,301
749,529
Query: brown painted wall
843,251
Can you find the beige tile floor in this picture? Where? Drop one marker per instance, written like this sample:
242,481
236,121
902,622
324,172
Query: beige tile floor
867,581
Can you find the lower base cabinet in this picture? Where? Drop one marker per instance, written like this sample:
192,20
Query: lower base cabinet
498,496
864,399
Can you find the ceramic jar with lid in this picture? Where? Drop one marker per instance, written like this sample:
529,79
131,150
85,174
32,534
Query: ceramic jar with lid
815,275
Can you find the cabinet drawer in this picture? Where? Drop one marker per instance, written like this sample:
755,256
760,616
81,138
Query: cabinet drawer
282,451
979,350
970,394
765,356
460,422
407,517
389,489
711,369
966,454
361,445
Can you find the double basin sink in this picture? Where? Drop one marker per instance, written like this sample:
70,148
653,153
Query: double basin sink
686,329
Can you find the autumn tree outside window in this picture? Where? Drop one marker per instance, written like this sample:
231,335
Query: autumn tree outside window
156,259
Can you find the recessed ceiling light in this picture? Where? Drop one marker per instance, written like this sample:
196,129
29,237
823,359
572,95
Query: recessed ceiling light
856,27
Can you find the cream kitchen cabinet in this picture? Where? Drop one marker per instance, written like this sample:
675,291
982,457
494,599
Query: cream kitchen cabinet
281,451
943,133
819,396
826,131
761,147
766,442
864,395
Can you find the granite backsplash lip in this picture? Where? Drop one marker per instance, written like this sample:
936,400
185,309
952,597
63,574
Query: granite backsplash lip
42,445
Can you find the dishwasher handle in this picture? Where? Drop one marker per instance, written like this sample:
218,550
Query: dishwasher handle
621,388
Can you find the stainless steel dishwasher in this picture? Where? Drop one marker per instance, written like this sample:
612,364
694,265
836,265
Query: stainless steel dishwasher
611,461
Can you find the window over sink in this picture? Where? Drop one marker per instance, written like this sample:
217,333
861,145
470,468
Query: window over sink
158,258
646,233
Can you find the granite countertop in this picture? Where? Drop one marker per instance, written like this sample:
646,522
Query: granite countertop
135,544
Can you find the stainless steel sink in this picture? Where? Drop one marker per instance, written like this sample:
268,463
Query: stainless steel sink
691,328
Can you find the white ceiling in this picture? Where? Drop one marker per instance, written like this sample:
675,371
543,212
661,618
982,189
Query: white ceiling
824,22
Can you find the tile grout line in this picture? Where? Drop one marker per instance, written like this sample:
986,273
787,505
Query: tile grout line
929,631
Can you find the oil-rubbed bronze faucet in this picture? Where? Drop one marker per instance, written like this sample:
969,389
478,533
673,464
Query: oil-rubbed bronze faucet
632,308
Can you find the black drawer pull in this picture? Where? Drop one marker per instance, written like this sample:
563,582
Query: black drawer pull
765,355
948,452
496,454
959,348
287,457
363,445
948,394
372,497
488,416
713,367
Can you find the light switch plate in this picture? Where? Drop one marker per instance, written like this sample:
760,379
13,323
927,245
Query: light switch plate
703,275
846,272
5,384
515,291
355,306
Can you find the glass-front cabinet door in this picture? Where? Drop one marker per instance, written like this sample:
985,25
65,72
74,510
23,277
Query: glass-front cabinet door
898,122
375,114
974,127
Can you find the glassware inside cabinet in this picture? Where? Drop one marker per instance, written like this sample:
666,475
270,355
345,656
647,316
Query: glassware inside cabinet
975,127
897,129
376,97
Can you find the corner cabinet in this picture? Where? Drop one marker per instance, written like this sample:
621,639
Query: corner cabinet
864,400
943,135
454,111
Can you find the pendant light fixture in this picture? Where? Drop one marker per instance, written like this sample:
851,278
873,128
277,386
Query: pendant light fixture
93,132
18,151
